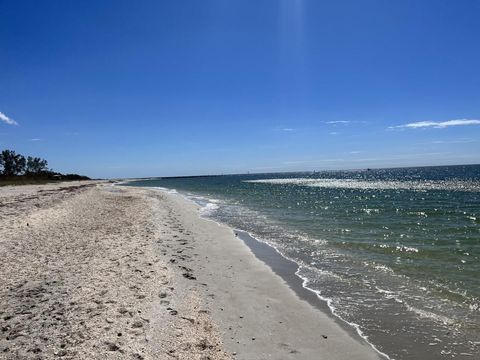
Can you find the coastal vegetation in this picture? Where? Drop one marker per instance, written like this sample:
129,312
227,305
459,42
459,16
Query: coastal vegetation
16,169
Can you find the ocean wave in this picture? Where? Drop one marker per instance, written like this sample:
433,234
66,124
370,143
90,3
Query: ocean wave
422,313
169,191
208,209
401,248
473,186
333,309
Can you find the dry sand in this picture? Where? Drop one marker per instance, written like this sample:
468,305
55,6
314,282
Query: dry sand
95,271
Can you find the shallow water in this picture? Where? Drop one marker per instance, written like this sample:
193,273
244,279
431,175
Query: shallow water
394,252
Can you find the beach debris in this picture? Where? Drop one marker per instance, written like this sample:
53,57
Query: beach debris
61,353
122,310
137,324
171,352
189,276
188,273
188,319
203,344
112,347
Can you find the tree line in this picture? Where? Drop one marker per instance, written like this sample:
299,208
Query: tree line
17,165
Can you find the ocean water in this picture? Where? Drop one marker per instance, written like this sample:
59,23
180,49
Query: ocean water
394,252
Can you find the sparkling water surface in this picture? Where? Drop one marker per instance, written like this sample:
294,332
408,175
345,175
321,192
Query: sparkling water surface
395,252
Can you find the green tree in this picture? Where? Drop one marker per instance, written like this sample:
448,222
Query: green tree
12,163
35,165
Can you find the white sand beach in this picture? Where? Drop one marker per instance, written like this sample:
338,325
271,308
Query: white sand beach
95,271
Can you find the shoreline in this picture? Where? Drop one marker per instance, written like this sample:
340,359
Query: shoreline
119,272
402,324
316,316
288,270
282,266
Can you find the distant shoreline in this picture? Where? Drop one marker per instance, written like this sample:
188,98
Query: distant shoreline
40,179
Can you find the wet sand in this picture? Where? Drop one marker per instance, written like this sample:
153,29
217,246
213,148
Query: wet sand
95,271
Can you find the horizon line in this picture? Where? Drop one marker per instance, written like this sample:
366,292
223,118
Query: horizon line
284,172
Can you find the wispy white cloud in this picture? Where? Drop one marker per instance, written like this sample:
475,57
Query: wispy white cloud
355,152
287,129
437,124
297,162
34,139
333,133
7,120
457,141
337,122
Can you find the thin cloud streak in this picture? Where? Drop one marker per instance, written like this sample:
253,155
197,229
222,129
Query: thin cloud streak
459,141
297,162
437,124
7,120
338,122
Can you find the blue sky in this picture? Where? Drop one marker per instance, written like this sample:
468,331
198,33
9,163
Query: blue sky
150,88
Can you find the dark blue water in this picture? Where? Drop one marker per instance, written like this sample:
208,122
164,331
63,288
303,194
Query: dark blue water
394,252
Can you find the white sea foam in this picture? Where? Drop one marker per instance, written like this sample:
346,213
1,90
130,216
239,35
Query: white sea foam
383,268
328,301
208,209
383,291
168,191
201,198
407,249
333,309
374,184
430,315
401,248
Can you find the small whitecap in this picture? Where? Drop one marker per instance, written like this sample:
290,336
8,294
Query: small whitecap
407,249
208,209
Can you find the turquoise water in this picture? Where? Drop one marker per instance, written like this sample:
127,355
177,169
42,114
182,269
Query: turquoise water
394,252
